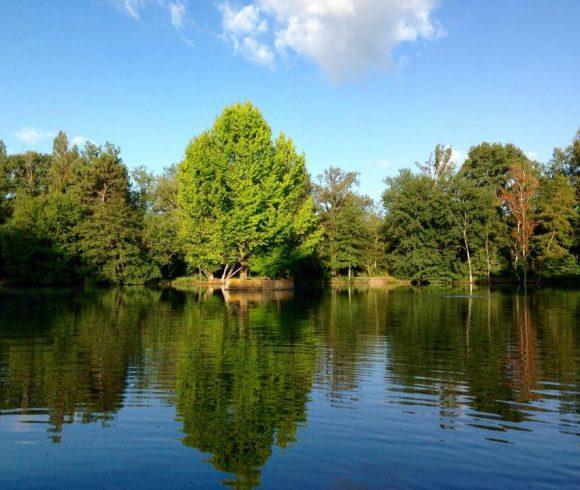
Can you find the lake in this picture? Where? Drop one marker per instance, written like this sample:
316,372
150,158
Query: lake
400,388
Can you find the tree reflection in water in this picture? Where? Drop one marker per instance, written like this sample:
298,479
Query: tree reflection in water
240,368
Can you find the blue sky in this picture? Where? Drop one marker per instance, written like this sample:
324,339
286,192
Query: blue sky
368,85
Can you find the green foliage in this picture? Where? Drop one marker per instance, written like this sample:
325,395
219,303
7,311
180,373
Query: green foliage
485,219
566,161
420,227
244,198
66,169
105,177
488,164
4,184
478,224
27,173
30,253
556,216
343,218
374,254
111,245
242,201
75,216
161,238
237,395
439,166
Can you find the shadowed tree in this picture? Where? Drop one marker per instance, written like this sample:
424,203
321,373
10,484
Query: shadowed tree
556,217
566,161
110,237
421,229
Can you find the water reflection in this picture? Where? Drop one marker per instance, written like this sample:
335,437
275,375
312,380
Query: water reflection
242,370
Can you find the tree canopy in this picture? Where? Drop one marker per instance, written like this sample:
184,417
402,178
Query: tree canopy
241,202
245,199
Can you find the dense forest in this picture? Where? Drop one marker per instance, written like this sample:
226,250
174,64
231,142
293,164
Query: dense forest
242,203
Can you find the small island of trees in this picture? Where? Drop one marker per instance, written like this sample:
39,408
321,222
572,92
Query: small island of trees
242,203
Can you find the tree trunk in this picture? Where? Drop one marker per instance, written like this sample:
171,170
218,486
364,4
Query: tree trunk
225,272
487,259
468,253
244,273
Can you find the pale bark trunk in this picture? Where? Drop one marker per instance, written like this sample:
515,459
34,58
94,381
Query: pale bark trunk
225,272
468,253
487,259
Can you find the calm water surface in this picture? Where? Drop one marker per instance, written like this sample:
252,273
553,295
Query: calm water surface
398,388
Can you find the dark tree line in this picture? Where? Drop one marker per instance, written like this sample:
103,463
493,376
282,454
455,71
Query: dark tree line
241,202
499,214
76,215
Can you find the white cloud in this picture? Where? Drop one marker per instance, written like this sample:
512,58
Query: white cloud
343,37
256,52
32,136
458,156
177,12
245,21
242,28
80,141
532,155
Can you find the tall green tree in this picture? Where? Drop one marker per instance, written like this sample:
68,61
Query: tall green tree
245,198
156,196
374,252
566,161
420,228
66,166
488,166
39,237
556,217
110,244
343,218
474,209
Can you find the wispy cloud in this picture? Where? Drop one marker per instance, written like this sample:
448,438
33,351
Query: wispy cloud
382,163
176,9
177,13
32,136
131,7
343,37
